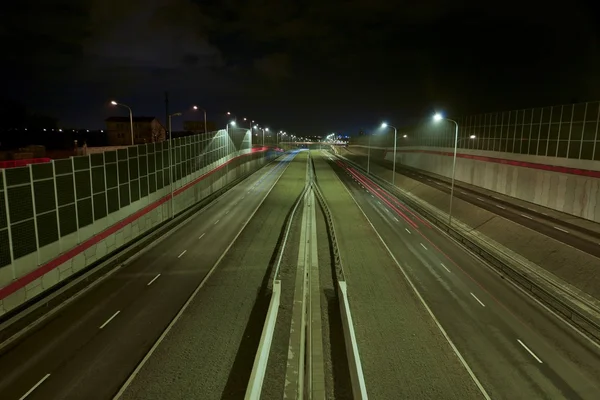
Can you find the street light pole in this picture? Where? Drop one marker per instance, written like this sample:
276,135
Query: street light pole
114,103
369,156
200,108
385,125
438,117
171,162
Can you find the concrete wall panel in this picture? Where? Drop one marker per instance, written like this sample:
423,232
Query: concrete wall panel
572,192
34,288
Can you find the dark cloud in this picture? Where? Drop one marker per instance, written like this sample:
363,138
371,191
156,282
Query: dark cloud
274,66
341,62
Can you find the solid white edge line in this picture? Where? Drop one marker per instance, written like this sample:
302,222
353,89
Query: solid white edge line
153,279
201,236
193,295
431,314
110,319
34,387
479,301
560,229
396,219
182,253
423,246
216,222
407,230
530,352
526,216
261,359
446,268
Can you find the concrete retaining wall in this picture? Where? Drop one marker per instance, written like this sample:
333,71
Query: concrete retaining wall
567,185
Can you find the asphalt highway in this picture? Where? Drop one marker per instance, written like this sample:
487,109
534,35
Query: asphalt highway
90,348
404,354
210,352
515,347
532,217
183,319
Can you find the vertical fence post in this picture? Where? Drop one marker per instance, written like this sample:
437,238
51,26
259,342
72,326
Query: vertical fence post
522,132
562,108
596,134
570,130
57,206
35,226
583,130
75,198
8,227
537,149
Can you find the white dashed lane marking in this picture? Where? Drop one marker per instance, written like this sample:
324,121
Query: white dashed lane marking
479,301
529,351
153,279
110,319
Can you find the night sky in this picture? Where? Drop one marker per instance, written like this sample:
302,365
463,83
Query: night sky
308,67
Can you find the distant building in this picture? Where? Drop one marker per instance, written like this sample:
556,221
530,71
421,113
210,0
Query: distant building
198,126
145,130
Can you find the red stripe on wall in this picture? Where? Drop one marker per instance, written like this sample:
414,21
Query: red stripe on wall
524,164
69,254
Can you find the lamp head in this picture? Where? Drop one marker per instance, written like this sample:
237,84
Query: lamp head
114,103
384,125
232,123
437,117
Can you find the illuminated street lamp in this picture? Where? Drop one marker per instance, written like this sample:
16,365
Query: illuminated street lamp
114,103
472,137
438,117
385,125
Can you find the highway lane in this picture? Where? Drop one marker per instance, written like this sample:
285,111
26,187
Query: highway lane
582,239
89,348
516,347
403,352
210,351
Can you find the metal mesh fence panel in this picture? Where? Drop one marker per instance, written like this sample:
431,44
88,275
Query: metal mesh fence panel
20,211
5,257
65,196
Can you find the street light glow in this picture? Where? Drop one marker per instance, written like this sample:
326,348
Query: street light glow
405,136
437,117
232,123
472,137
195,107
267,129
114,103
384,125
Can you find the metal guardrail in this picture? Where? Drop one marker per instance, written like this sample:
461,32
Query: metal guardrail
259,367
359,390
554,298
